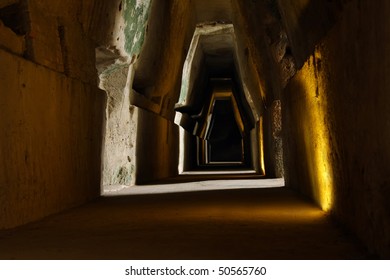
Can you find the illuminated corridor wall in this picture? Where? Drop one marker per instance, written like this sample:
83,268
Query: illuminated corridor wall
336,114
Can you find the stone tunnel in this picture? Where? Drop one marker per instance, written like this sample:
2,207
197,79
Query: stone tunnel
217,100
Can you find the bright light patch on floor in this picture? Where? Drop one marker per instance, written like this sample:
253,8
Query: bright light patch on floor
211,185
220,172
181,150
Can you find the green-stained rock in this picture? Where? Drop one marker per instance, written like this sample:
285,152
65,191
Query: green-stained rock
136,13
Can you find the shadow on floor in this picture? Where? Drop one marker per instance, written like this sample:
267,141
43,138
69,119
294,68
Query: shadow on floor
265,223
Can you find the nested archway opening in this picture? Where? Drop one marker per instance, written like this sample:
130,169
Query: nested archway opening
221,127
221,136
223,142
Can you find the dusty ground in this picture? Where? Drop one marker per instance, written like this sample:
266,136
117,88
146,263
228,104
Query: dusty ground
241,223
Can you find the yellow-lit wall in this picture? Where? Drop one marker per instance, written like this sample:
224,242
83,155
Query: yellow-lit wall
309,120
336,114
50,141
51,110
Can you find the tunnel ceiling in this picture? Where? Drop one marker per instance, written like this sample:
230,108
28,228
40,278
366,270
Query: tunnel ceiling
259,43
218,52
272,36
212,54
216,10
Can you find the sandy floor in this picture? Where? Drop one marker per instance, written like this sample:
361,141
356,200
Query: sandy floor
241,222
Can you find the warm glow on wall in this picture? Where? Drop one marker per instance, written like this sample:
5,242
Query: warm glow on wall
261,145
315,129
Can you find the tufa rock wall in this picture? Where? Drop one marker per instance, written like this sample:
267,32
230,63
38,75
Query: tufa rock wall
336,124
51,110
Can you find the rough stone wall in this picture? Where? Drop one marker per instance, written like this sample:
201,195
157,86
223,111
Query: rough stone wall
126,23
11,32
120,131
158,70
277,141
56,38
306,22
50,141
268,53
146,42
336,121
51,110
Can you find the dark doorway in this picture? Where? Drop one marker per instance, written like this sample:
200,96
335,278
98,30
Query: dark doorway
224,140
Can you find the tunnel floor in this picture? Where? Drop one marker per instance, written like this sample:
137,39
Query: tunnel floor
237,223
